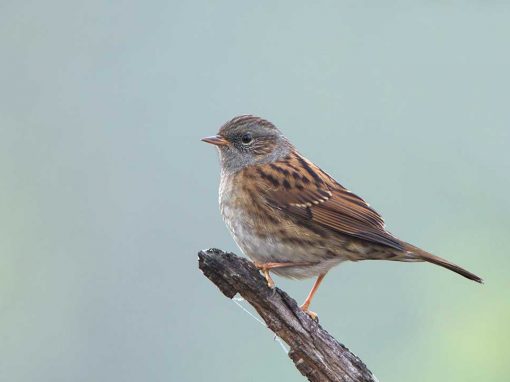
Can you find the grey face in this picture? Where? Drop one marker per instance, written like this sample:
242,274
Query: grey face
248,140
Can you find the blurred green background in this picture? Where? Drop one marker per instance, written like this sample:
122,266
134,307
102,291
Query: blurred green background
107,193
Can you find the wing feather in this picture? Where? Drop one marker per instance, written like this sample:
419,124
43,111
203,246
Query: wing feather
317,198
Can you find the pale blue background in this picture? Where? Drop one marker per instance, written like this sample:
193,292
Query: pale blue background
107,193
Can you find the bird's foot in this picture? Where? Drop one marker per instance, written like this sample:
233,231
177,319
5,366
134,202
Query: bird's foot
314,316
265,267
270,283
265,271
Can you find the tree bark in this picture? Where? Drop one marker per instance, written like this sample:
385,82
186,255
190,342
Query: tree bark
315,353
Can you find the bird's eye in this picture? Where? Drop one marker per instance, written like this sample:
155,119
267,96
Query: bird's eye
246,138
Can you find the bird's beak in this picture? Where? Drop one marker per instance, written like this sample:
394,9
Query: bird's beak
215,140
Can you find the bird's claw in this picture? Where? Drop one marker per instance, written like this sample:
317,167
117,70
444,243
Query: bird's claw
265,272
270,282
314,316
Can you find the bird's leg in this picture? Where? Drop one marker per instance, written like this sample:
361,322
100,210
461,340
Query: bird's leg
265,267
308,300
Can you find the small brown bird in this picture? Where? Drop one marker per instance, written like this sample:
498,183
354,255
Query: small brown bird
293,219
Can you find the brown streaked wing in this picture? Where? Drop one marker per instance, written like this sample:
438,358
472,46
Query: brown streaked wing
303,190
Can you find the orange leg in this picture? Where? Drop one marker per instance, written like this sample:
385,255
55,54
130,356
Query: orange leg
308,300
265,267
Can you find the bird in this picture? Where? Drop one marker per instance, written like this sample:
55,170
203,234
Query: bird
293,219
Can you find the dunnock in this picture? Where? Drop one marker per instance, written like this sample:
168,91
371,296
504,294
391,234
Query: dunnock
293,219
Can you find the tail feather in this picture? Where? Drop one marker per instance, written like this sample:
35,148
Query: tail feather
420,254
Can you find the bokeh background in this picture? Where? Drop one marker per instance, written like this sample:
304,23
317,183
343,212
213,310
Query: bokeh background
107,193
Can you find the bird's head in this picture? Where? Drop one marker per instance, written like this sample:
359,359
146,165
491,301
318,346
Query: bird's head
248,140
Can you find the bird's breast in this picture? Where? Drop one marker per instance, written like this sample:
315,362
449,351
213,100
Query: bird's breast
234,203
253,224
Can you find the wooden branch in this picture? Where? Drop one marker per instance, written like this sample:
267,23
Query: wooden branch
316,354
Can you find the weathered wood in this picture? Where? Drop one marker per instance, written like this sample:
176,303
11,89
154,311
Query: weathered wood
316,354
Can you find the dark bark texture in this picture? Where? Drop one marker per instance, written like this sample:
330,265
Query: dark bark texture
315,353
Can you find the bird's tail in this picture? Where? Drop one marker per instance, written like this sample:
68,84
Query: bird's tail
418,254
